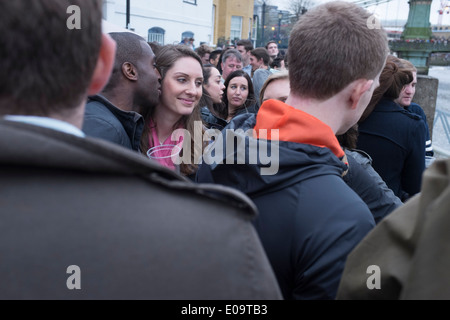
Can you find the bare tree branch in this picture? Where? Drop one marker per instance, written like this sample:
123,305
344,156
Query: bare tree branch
299,7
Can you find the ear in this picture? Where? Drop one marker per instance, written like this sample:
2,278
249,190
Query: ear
359,88
129,71
104,65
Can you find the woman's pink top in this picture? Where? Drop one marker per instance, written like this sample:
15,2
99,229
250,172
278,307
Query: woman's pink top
166,152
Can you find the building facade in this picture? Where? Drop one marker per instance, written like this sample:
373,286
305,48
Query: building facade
166,21
233,20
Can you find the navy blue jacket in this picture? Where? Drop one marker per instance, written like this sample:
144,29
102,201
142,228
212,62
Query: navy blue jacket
104,120
415,108
309,219
368,184
395,139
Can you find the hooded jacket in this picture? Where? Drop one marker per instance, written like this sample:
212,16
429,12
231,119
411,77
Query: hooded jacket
309,218
409,250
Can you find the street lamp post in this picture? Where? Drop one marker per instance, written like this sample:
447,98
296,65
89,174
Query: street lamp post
128,15
280,16
263,22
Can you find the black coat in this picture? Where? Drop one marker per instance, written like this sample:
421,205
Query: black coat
104,120
395,140
309,218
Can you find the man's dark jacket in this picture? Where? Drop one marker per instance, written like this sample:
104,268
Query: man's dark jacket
309,218
104,120
135,229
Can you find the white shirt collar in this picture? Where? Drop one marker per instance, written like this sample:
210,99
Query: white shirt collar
46,122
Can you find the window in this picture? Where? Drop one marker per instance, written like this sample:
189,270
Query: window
255,28
236,27
194,2
156,34
187,34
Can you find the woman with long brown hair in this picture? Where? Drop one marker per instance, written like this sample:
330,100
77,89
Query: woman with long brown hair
178,108
393,136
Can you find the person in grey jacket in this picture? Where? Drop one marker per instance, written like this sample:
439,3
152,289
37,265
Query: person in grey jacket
83,218
134,85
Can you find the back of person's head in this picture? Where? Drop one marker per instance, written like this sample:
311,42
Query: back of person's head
246,43
261,53
46,67
392,80
214,54
202,50
277,63
128,49
155,46
169,54
331,46
405,64
251,99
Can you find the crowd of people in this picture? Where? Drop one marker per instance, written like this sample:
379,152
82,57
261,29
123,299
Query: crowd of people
111,161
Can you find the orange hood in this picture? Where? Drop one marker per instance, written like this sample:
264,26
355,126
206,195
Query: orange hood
295,126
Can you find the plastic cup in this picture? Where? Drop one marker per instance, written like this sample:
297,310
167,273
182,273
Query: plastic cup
165,154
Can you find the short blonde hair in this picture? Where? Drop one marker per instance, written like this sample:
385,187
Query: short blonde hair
273,77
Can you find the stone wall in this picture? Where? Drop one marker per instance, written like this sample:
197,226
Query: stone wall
426,96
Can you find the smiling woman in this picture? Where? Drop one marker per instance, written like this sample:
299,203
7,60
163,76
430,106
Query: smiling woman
178,106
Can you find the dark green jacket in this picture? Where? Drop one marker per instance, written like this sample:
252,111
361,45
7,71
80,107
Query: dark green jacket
411,247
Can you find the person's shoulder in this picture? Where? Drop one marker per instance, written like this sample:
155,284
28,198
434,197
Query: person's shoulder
416,109
261,72
360,156
99,112
97,107
103,157
412,115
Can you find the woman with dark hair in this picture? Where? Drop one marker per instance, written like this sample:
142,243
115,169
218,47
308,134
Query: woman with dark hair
178,108
211,102
239,98
239,95
393,137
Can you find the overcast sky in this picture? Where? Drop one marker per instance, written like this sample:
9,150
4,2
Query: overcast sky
393,10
